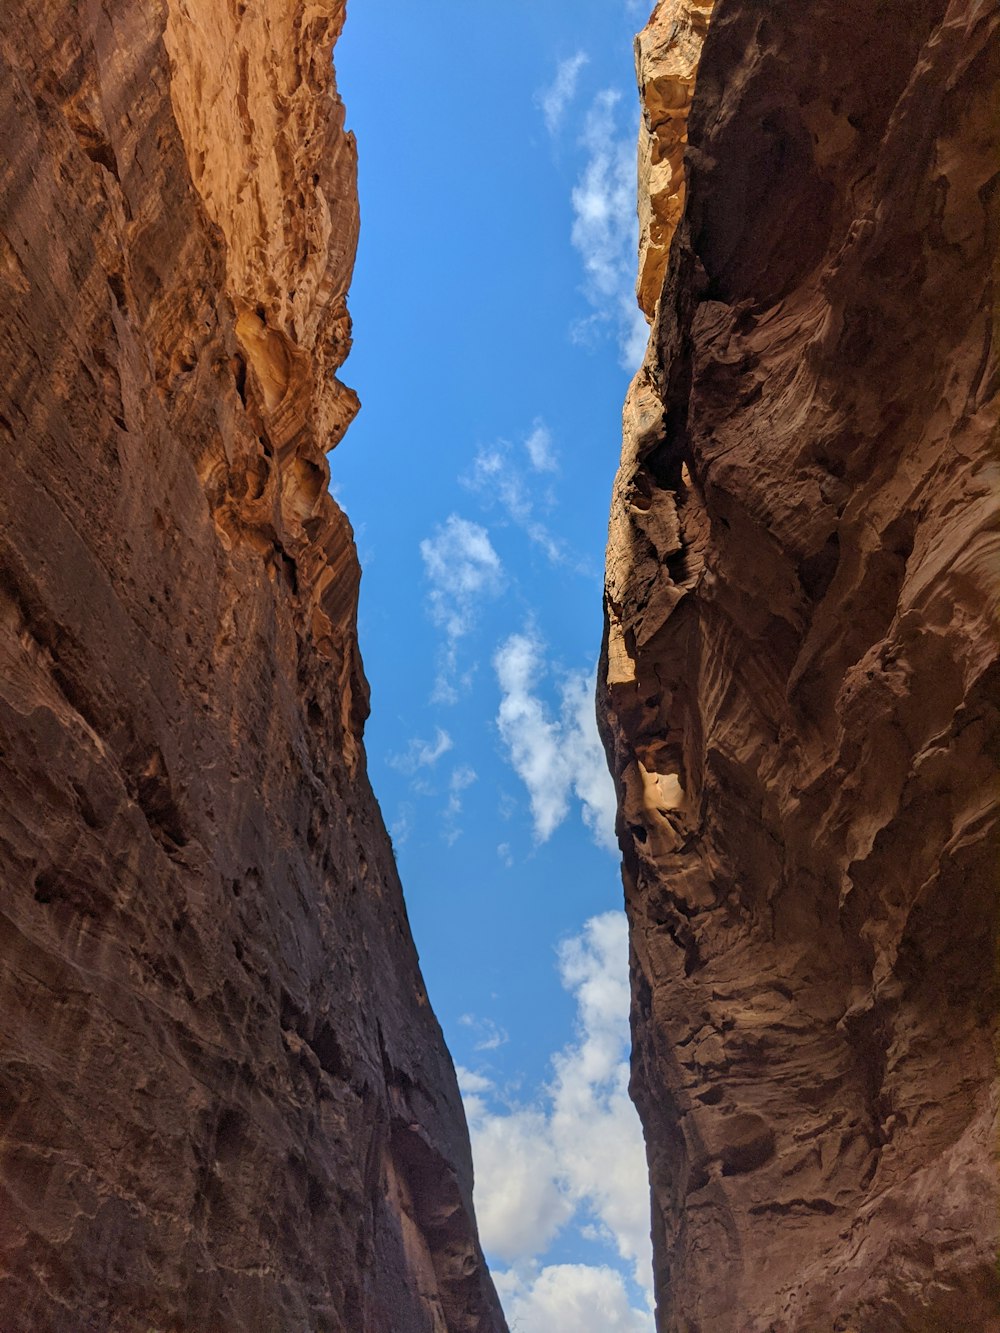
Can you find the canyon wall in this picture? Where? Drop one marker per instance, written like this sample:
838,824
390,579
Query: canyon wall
225,1103
799,689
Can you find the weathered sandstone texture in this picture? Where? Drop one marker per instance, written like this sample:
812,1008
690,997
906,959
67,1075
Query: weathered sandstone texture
225,1103
799,692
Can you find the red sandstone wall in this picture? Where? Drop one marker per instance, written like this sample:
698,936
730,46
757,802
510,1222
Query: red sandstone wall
799,692
225,1103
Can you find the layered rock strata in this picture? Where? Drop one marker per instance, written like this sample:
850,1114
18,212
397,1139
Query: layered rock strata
799,687
225,1103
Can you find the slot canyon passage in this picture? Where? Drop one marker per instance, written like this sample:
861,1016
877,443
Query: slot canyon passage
226,1103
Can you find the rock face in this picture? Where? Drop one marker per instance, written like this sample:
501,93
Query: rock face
799,689
225,1101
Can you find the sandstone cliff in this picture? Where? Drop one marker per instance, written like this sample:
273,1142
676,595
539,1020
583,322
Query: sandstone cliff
799,688
226,1103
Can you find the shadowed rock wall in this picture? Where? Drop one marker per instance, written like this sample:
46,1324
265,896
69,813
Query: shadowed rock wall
225,1103
799,688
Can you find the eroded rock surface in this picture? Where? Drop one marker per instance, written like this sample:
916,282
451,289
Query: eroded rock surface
225,1101
799,692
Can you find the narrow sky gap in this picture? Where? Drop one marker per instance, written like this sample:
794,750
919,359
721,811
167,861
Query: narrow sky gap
494,337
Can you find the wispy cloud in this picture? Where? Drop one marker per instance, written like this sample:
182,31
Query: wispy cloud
461,778
573,1157
402,826
604,197
605,228
495,476
463,570
555,99
539,447
461,567
555,757
422,754
499,475
489,1036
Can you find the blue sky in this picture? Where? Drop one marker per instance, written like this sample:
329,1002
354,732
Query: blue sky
495,331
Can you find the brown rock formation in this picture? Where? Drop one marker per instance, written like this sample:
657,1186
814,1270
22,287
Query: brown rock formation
799,692
226,1103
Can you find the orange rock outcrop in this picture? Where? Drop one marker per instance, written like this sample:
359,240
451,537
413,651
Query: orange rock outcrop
799,687
225,1103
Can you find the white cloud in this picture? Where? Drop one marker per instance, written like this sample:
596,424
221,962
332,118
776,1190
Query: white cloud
554,758
586,1298
461,778
592,781
533,741
422,754
462,567
573,1157
496,477
520,1205
507,805
604,196
472,1083
489,1036
539,447
606,231
634,337
473,1087
593,1123
402,825
554,99
463,570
